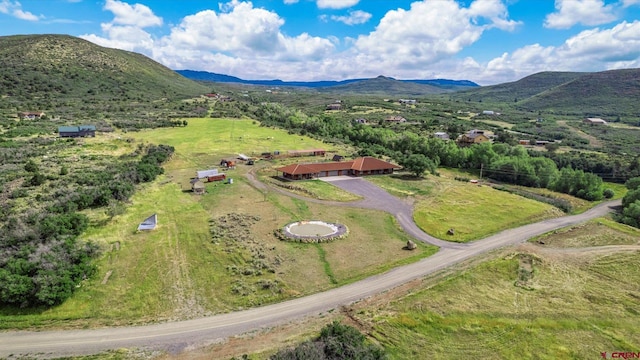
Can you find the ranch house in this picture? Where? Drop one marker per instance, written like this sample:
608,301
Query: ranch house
358,167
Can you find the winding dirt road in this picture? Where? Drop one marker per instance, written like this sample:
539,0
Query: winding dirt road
176,336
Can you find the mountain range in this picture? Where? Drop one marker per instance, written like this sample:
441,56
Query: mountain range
438,85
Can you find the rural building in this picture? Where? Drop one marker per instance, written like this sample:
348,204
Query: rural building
395,119
201,174
358,167
197,186
408,101
217,177
594,121
31,115
488,112
473,137
149,223
361,121
334,106
441,135
77,131
310,152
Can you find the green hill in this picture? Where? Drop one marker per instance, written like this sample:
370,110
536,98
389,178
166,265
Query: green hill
49,69
607,93
518,90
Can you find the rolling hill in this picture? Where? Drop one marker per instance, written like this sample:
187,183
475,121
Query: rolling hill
606,93
54,67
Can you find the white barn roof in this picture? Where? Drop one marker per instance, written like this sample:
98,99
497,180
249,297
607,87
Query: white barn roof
206,173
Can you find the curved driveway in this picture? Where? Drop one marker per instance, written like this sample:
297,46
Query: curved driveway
180,335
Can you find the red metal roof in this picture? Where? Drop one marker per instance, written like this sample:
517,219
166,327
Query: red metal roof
360,164
368,163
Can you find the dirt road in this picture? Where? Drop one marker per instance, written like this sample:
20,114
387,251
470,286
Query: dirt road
176,336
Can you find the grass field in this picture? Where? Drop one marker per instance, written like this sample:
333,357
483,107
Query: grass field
598,232
473,211
525,303
181,270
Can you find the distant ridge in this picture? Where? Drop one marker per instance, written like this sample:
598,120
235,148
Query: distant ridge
443,84
610,92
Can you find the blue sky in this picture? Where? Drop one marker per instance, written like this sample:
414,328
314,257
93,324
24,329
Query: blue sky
486,41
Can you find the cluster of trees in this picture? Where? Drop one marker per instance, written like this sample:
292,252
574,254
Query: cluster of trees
41,259
631,203
336,342
420,151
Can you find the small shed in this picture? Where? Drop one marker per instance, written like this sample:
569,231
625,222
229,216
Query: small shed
217,177
149,223
197,186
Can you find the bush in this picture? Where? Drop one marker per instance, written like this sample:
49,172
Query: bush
336,341
608,193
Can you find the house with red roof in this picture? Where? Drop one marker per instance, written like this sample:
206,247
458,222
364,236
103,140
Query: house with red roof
361,166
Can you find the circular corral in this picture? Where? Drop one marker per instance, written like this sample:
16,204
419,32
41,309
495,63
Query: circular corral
313,231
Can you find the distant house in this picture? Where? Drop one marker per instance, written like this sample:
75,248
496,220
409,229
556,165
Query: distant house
337,157
395,119
77,131
31,115
197,186
149,223
473,137
441,135
361,121
358,167
407,101
488,112
334,106
594,121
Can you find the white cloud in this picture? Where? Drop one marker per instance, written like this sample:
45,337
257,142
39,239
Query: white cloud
585,12
430,31
591,50
354,17
336,4
137,15
289,2
14,9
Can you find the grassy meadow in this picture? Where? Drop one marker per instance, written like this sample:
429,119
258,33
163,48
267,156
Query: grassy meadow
182,270
529,302
472,210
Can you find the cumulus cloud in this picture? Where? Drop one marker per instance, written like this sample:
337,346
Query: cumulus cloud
585,12
431,30
354,17
336,4
133,15
14,9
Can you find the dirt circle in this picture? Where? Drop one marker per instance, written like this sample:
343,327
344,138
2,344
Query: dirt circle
313,231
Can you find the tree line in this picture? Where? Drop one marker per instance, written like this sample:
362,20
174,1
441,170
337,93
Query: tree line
570,173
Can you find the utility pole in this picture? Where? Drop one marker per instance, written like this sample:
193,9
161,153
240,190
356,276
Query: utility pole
481,167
